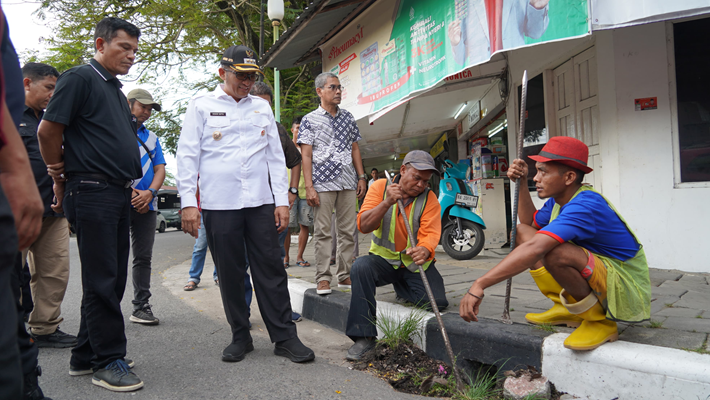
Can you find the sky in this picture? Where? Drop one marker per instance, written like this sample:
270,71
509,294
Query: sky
26,32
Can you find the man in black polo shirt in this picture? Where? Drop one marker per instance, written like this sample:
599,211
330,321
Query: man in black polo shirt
100,161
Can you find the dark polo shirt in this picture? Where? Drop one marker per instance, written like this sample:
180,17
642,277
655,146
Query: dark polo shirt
99,136
28,132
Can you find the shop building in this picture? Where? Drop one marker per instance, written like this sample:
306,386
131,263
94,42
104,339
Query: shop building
633,88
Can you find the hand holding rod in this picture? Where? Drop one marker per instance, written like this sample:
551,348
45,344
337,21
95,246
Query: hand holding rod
432,300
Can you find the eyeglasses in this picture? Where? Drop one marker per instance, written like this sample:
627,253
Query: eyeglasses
243,76
335,88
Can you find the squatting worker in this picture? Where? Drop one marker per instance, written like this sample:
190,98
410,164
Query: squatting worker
581,253
89,116
229,138
388,261
335,178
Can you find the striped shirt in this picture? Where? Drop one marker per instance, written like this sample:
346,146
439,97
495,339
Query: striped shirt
156,153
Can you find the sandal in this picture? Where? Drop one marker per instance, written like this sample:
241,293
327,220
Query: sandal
286,264
190,286
303,263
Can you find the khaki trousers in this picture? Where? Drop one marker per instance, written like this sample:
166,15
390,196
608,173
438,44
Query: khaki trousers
344,203
49,265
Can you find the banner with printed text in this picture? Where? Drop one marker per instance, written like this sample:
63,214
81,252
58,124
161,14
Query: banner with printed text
398,49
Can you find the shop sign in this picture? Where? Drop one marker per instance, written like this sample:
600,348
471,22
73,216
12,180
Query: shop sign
438,147
475,114
396,50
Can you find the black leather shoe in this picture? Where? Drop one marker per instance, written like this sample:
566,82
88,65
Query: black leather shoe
236,352
31,389
294,350
361,346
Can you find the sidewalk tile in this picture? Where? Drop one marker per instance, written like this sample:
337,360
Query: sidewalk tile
688,324
679,312
664,337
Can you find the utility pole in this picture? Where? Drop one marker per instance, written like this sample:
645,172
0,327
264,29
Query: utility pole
276,14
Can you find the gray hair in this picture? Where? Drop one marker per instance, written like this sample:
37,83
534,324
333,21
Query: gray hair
322,78
260,89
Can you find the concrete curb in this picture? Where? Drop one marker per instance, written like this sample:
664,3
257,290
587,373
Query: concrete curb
621,369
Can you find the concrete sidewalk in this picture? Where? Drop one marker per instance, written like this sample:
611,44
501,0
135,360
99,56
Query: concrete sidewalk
667,357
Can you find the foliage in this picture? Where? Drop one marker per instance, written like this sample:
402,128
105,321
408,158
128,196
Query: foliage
655,324
179,49
546,327
169,179
482,386
397,331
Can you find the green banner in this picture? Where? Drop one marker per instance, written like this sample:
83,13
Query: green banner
398,48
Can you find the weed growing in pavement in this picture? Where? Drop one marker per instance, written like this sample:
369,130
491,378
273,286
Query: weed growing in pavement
655,324
699,350
546,328
482,386
669,305
699,316
398,331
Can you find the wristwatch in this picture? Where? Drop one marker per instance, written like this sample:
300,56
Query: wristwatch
153,192
363,177
293,190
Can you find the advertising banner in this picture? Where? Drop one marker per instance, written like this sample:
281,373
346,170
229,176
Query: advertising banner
398,49
609,14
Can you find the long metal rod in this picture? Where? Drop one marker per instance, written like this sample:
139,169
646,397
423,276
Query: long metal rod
520,182
459,383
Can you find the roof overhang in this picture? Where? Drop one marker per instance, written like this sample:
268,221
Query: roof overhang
322,19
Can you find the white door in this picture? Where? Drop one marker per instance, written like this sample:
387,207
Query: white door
577,107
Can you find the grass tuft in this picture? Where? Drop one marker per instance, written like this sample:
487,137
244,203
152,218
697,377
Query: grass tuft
546,328
398,331
655,324
482,387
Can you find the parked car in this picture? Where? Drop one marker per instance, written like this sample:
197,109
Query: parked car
169,207
160,223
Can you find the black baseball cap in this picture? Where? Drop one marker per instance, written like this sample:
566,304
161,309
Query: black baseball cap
241,59
421,161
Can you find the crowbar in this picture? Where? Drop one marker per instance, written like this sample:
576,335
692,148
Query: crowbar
514,231
459,383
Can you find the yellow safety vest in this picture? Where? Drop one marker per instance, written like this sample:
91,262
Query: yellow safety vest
383,237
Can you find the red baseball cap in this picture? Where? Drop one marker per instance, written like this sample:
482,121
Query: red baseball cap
565,150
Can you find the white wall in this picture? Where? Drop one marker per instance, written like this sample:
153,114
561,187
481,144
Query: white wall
671,223
636,146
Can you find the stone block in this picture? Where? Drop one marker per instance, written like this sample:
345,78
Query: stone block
697,299
660,303
524,388
688,324
658,276
670,290
679,312
663,337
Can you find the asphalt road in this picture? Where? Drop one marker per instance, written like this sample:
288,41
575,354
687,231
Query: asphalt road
180,358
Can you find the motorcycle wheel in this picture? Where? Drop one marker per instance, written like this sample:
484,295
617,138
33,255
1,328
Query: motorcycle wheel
466,246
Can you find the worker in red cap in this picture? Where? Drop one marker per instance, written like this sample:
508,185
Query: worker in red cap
581,253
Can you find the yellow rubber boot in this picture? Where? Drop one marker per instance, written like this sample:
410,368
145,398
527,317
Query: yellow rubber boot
558,314
595,330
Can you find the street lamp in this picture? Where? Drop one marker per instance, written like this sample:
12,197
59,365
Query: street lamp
276,14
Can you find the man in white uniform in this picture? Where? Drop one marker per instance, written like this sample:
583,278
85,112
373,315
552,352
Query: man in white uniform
229,138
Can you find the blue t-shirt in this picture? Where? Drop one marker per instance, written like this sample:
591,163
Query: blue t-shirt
156,153
589,222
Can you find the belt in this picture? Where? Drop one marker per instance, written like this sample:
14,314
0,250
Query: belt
118,182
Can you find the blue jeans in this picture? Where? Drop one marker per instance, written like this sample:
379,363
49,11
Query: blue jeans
199,252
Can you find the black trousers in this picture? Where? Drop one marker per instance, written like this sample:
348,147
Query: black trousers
100,213
370,272
28,348
10,367
227,233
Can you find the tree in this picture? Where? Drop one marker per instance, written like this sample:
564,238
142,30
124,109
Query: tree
181,39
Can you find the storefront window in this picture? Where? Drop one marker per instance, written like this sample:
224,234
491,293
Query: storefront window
535,130
693,87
